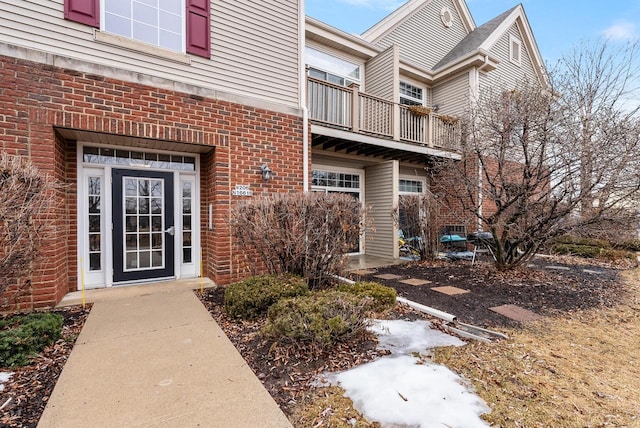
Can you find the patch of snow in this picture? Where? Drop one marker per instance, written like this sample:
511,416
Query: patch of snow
4,377
404,389
400,391
407,337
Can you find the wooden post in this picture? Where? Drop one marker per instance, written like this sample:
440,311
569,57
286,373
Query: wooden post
355,107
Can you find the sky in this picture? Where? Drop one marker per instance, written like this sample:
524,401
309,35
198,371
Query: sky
558,25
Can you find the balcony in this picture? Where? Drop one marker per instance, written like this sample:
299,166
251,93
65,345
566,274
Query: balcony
351,110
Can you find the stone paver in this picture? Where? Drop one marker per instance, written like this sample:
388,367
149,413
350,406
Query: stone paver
387,276
363,272
553,267
516,313
415,281
449,290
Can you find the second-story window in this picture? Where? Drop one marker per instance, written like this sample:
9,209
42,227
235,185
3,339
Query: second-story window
411,95
330,68
157,23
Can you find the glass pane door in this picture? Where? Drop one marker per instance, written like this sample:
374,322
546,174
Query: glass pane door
143,227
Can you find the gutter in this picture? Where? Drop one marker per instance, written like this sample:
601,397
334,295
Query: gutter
302,76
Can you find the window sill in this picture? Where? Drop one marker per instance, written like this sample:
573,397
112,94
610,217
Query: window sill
136,46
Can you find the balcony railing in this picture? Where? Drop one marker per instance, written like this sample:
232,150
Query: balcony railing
352,110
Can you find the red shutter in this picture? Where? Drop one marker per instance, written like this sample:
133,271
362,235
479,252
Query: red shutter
83,11
199,28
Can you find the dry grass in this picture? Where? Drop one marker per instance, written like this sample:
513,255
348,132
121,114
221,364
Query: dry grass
328,407
579,370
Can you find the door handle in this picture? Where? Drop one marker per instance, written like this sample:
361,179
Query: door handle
171,230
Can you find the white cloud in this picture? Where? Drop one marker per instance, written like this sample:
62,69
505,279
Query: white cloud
377,4
623,30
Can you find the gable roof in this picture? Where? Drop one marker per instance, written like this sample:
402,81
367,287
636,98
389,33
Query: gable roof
484,37
474,40
406,11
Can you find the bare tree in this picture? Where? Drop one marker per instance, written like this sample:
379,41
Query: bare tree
25,198
600,101
523,167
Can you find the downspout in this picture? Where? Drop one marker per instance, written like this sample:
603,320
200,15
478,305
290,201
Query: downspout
302,76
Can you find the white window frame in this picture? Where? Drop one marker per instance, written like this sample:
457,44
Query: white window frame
422,180
515,46
183,27
420,101
104,277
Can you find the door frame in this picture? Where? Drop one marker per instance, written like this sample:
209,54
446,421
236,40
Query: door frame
104,277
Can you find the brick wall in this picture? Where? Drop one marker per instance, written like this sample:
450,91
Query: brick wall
35,99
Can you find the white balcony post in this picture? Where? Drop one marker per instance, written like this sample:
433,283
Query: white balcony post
396,121
355,107
429,133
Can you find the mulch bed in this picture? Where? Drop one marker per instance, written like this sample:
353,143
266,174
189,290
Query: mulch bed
286,370
26,393
538,288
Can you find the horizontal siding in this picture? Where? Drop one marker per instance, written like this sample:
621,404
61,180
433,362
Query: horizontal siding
409,171
379,72
453,95
423,38
508,74
254,46
381,180
327,162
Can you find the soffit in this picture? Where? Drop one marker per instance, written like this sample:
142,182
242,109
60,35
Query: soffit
126,141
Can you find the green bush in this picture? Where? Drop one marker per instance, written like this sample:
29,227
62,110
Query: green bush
24,336
383,297
630,245
322,318
592,252
586,242
250,299
578,250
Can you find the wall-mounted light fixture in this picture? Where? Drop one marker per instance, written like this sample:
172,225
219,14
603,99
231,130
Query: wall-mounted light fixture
267,174
436,107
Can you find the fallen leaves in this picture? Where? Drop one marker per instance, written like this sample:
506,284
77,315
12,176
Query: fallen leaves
26,393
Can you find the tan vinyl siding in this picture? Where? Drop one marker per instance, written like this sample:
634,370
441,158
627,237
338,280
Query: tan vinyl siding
379,72
413,172
254,46
381,195
423,38
453,95
329,163
508,74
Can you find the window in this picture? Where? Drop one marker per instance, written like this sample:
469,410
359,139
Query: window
411,186
330,68
411,95
515,50
180,26
149,21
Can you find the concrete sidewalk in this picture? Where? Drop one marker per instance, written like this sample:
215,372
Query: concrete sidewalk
157,360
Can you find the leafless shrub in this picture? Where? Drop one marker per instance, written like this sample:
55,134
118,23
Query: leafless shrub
305,234
25,198
416,216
